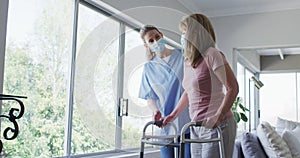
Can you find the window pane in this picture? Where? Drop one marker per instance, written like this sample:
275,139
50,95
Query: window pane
249,98
94,110
246,91
36,65
278,97
298,95
138,112
241,81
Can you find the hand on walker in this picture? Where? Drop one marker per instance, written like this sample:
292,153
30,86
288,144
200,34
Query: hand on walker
157,116
158,119
213,121
166,120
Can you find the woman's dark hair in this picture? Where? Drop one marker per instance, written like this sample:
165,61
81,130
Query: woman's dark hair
145,29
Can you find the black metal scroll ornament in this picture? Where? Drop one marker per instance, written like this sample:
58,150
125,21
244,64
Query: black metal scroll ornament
12,118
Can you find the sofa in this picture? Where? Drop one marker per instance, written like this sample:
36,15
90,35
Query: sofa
269,141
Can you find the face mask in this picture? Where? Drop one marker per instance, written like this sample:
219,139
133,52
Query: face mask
183,41
158,46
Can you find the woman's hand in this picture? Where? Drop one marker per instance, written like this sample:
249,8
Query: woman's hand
168,119
157,116
213,121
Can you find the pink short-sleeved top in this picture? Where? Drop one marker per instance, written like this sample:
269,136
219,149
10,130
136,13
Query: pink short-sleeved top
205,91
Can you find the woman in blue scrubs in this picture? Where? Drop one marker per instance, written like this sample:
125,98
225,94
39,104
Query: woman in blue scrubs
161,82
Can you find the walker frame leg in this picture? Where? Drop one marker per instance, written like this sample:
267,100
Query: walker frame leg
219,139
142,150
181,150
146,139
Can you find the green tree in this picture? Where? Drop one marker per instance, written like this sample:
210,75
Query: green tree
39,70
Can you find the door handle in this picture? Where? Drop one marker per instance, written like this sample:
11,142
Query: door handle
123,107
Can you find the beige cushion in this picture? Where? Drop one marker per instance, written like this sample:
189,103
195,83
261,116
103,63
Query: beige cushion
273,144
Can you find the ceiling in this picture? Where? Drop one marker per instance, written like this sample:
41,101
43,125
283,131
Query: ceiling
277,51
214,8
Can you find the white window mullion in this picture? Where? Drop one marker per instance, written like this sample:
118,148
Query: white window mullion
3,28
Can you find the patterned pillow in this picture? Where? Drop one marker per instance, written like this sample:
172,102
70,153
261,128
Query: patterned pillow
251,146
272,143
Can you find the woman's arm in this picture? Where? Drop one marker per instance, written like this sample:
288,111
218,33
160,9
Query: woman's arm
152,104
228,79
180,107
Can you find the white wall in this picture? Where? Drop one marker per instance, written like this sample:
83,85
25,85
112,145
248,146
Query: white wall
257,30
3,22
239,31
164,14
249,58
275,64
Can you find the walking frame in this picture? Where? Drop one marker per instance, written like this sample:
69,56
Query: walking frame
172,139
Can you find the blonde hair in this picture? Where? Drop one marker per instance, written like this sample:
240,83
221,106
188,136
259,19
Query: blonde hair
143,31
199,36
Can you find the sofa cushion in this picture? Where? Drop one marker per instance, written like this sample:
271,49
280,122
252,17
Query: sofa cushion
282,124
251,146
296,132
271,141
237,151
292,142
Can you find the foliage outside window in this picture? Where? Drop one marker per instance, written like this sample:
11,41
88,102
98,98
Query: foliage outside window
37,65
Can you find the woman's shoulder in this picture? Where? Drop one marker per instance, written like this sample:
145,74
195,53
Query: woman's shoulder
215,57
212,52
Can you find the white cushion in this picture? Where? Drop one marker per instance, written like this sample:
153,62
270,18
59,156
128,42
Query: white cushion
273,144
296,132
292,142
282,124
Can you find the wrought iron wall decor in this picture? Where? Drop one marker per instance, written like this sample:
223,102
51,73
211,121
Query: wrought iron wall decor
11,133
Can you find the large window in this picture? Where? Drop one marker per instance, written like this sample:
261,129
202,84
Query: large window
247,93
278,98
94,118
38,47
138,112
38,64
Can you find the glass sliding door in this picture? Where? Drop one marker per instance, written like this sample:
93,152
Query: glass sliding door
94,118
138,112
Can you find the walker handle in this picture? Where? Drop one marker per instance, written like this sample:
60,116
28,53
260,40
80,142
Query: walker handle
200,123
158,123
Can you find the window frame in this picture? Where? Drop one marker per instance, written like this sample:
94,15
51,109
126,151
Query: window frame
124,22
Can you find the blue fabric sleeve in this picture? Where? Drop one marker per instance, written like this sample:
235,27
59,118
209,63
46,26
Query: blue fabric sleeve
146,91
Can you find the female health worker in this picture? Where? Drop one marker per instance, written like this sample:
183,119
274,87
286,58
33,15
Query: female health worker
161,82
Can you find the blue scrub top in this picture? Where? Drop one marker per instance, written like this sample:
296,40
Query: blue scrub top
161,81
